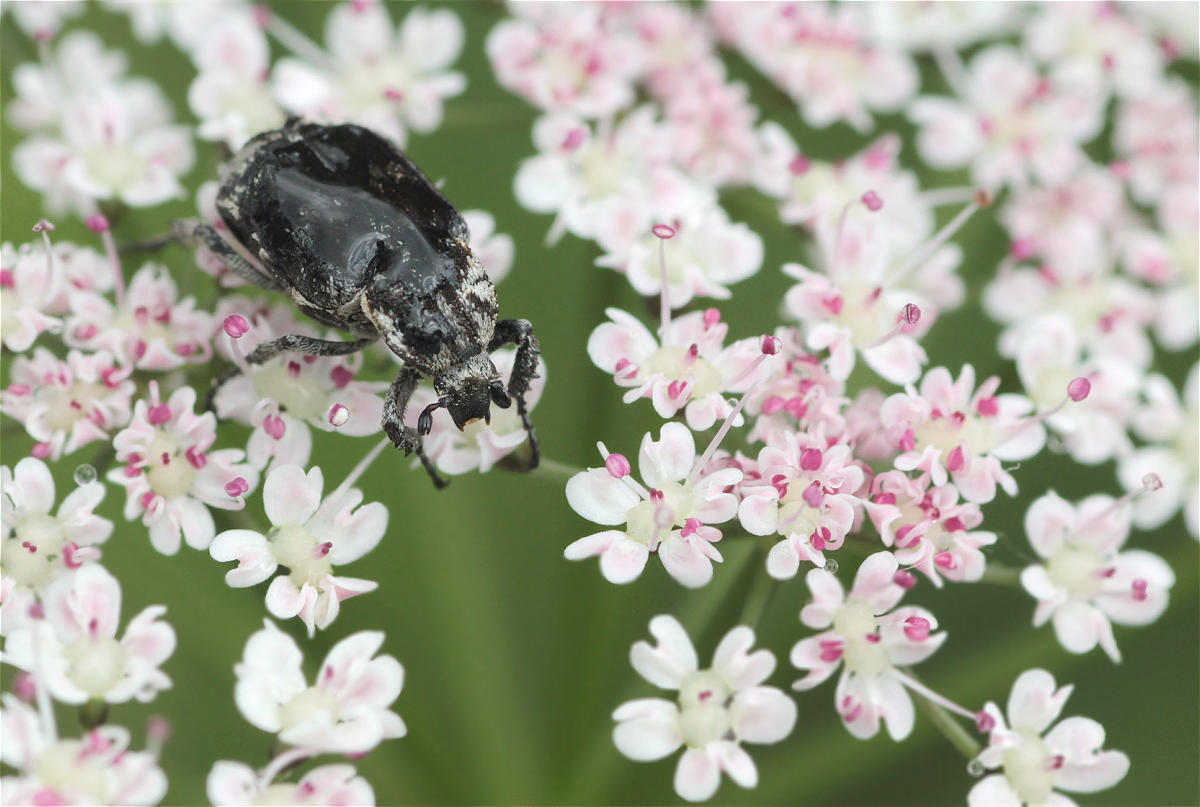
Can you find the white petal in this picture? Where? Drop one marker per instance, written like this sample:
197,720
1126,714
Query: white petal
763,715
648,729
600,497
665,664
696,776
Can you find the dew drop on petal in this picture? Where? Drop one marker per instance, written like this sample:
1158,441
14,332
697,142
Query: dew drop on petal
84,474
975,768
830,566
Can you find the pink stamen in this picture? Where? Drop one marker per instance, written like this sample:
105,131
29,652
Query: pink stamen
274,426
656,495
984,722
159,414
237,487
1079,389
1139,590
1022,249
574,139
32,547
618,465
165,458
195,457
810,459
96,223
294,369
988,407
956,461
40,450
917,628
943,560
322,549
663,231
851,711
68,555
691,526
872,201
132,470
954,524
339,414
904,579
813,496
772,405
6,279
884,498
341,376
148,499
831,650
711,317
799,165
25,687
1055,762
873,638
911,314
236,326
705,695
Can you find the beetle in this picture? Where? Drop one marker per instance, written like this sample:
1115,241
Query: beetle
344,222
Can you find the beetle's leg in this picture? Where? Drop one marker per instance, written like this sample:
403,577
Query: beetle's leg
405,437
195,231
292,341
307,345
519,332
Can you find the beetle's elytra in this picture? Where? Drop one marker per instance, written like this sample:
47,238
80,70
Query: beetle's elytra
343,221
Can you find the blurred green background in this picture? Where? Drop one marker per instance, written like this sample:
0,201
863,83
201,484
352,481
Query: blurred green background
515,658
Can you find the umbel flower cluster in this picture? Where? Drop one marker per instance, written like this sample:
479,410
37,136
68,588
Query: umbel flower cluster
857,471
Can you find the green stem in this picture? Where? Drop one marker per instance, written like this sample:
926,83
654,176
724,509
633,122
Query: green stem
554,470
1001,575
762,587
949,725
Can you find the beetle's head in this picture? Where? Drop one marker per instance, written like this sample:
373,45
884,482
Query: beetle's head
467,393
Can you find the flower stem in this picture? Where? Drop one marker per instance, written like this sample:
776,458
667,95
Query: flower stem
945,722
762,587
1001,575
552,470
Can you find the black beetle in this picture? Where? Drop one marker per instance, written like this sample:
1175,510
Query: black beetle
344,222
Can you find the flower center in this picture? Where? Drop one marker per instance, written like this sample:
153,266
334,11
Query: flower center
369,84
855,621
677,362
115,166
947,433
703,711
168,470
279,794
296,548
1076,568
1027,769
653,518
65,407
96,664
304,706
68,769
302,395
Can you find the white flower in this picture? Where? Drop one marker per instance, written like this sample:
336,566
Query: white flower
345,712
1067,758
74,649
97,768
38,546
308,536
718,709
29,281
669,518
388,79
233,784
871,639
1085,582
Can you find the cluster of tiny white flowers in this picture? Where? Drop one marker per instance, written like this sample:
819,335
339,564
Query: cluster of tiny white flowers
636,144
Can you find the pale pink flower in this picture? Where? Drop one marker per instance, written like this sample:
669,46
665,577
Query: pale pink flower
345,712
74,650
185,24
40,546
152,329
1086,583
872,639
65,405
385,78
674,41
171,476
233,784
1070,225
712,124
807,492
230,93
706,253
1103,41
1012,126
1067,758
480,445
812,191
97,768
305,387
669,515
1170,422
691,370
939,26
565,58
718,709
43,19
822,58
928,528
798,394
309,536
951,430
30,281
859,305
81,269
1168,258
79,63
609,184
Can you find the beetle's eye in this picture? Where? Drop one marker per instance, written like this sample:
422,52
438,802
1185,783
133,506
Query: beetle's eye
500,395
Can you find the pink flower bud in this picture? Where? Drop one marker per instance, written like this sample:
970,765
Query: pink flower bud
617,465
96,223
1079,389
338,415
916,628
43,226
236,326
771,345
237,487
872,201
984,722
40,450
